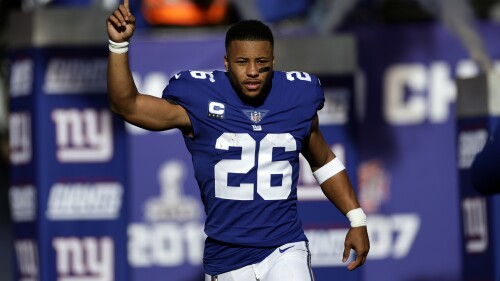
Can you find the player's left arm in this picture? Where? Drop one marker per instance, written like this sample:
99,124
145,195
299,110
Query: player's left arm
338,189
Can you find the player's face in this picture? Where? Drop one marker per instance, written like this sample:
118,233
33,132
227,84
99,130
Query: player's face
250,65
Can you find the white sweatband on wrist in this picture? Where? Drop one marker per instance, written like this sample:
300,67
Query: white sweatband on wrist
118,48
357,217
328,170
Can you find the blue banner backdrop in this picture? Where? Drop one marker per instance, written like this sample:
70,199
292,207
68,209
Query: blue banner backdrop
69,155
408,156
480,214
68,197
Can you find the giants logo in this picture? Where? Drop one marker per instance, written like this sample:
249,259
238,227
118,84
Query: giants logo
87,258
22,203
21,78
85,201
75,76
20,138
83,135
326,246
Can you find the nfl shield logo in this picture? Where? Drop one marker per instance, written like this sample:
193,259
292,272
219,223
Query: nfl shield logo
255,115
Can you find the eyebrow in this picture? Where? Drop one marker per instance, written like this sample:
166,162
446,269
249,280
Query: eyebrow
246,58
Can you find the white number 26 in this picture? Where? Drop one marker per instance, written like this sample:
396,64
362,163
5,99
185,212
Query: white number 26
265,166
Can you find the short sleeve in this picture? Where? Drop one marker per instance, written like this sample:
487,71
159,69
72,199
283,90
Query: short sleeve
178,88
320,95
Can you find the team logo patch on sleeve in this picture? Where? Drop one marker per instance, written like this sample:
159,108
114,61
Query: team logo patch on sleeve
216,110
255,115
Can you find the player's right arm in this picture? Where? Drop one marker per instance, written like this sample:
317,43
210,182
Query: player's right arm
142,110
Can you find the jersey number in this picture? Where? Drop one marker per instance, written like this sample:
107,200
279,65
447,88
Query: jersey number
290,75
265,166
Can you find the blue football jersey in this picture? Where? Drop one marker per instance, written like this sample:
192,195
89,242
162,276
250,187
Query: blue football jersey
246,161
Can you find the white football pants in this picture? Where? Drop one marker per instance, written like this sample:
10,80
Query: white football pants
290,262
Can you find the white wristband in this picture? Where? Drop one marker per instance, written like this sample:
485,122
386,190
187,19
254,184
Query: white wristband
328,170
357,217
118,48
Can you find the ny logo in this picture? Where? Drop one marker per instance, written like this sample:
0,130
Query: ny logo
20,138
27,259
83,135
475,224
84,259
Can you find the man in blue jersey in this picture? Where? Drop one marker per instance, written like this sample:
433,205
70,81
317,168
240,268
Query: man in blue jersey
245,129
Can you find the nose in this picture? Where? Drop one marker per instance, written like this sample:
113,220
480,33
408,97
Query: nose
252,69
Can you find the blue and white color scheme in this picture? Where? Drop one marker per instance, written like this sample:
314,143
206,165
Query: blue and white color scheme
68,190
246,221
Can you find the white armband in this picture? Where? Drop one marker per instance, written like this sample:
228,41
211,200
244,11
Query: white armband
118,48
328,170
357,217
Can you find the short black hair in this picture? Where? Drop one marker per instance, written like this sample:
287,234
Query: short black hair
249,30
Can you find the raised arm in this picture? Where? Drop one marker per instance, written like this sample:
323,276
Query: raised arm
338,189
142,110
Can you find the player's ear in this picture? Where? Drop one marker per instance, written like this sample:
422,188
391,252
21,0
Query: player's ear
226,64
